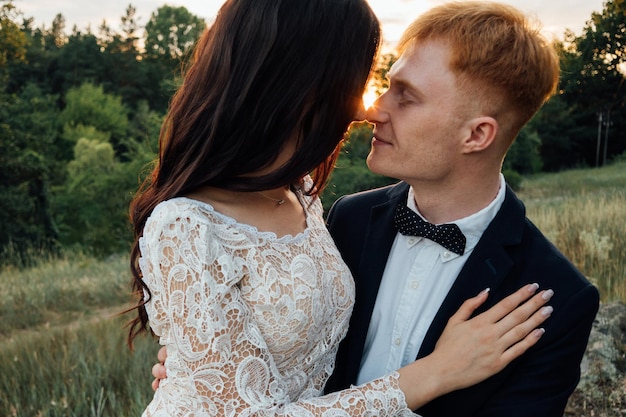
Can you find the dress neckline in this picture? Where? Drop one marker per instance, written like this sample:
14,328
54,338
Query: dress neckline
267,234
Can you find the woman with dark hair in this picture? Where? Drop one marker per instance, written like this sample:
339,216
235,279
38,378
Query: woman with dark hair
232,262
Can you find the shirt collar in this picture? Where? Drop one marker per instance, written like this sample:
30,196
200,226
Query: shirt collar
474,225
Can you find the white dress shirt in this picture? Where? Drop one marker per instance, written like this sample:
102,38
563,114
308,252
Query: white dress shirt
418,275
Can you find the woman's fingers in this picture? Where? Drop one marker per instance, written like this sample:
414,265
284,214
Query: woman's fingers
530,333
517,309
524,317
472,349
469,306
518,329
158,370
509,304
511,323
162,354
498,311
522,346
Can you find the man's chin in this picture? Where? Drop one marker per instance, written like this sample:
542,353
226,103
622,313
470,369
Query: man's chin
375,165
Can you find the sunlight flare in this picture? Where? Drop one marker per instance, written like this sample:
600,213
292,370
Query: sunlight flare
369,97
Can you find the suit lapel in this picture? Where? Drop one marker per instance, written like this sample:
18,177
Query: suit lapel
377,241
487,267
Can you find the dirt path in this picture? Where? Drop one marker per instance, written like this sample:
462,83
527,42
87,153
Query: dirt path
70,321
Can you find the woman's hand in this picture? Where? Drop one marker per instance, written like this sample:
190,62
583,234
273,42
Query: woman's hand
471,350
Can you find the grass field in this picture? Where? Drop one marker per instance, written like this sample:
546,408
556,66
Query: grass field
82,370
62,342
63,351
583,212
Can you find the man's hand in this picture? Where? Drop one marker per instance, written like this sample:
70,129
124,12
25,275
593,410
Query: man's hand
158,370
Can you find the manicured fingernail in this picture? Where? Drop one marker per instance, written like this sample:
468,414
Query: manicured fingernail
546,311
486,290
547,294
539,332
533,287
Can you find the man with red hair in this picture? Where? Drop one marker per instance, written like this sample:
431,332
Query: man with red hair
469,77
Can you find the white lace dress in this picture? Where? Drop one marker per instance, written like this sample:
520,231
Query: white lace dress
251,321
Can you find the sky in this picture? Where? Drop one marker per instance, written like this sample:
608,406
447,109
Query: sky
395,15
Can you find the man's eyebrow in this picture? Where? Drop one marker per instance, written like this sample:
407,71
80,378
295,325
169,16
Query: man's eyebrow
403,84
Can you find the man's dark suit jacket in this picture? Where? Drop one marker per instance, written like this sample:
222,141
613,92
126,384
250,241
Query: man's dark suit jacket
511,253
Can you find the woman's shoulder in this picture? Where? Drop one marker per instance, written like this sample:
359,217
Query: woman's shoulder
178,211
177,206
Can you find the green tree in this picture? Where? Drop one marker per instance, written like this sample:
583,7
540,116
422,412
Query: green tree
146,126
91,208
379,81
168,38
557,124
89,105
13,42
129,39
37,65
594,82
78,61
523,156
125,73
55,36
29,165
73,134
171,33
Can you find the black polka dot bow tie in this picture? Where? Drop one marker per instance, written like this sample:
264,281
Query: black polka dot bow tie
447,235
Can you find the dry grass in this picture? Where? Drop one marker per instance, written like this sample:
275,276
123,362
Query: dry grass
583,212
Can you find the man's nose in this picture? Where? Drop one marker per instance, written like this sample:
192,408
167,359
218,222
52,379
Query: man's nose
375,113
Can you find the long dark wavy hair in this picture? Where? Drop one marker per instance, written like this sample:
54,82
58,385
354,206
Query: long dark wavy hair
267,72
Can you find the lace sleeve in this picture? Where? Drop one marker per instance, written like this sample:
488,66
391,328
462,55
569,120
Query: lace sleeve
218,362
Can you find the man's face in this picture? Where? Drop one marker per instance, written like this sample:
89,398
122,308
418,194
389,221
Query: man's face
420,120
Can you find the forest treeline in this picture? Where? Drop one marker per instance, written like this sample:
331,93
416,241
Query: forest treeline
81,111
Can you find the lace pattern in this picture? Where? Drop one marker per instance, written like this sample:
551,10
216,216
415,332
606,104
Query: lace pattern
251,322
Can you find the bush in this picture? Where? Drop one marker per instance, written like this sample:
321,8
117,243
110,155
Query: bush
513,179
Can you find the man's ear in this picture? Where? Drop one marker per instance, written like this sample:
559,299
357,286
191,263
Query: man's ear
482,133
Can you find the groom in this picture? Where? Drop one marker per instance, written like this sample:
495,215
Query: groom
470,75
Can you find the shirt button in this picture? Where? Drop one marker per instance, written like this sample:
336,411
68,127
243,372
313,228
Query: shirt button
446,255
414,285
412,240
397,341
